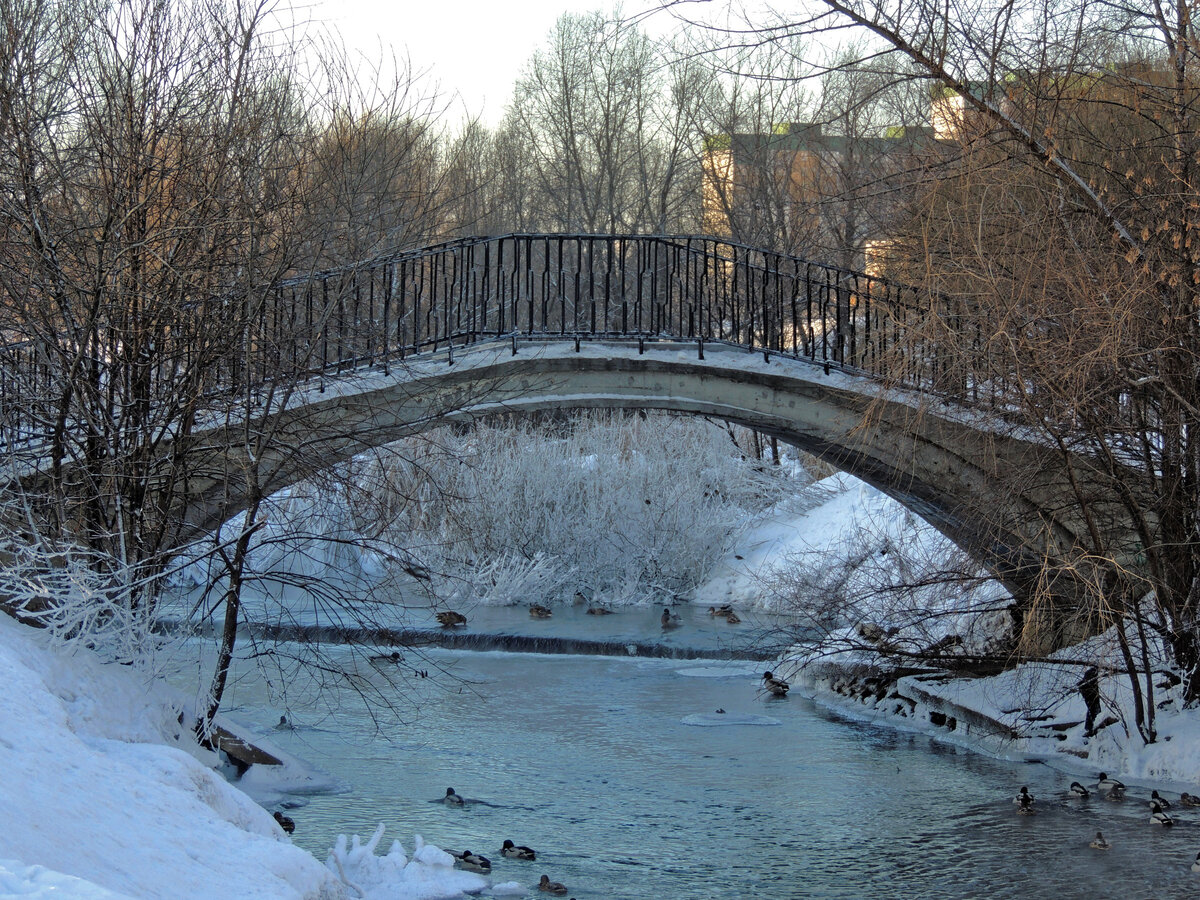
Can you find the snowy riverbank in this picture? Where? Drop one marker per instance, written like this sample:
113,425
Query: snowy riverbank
108,796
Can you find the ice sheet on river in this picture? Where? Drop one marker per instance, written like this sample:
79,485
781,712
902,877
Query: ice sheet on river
711,719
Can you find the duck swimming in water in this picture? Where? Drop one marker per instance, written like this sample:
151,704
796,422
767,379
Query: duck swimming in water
777,687
473,862
1025,805
1159,816
598,611
1078,790
1161,801
539,612
1099,842
452,799
723,610
669,619
449,618
1023,797
287,823
515,851
1107,784
1186,799
551,887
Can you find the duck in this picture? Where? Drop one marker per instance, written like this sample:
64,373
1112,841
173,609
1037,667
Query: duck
284,724
539,612
452,799
1099,842
384,659
775,686
580,598
1117,794
724,610
598,611
473,862
516,851
551,887
1161,801
1025,805
1159,816
449,618
1186,799
1196,863
1023,798
287,823
733,619
1078,790
669,619
1107,784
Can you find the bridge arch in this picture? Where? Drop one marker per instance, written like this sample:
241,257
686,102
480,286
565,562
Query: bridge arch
942,466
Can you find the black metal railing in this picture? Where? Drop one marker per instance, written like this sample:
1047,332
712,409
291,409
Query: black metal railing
569,286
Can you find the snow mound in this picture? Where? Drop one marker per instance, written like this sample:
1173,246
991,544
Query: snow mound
429,875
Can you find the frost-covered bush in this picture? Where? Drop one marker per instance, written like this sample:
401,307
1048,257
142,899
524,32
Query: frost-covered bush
876,575
81,598
623,507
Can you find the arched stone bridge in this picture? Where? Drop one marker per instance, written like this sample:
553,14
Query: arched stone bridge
981,488
814,355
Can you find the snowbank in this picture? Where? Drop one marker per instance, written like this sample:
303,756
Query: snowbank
107,796
866,540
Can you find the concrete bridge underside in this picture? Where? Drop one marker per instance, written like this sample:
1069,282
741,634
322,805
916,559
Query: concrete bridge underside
1008,501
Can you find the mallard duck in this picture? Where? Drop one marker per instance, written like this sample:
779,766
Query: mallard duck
386,659
514,851
775,686
1099,842
1161,801
452,799
1158,815
551,887
450,618
724,610
1023,797
732,618
473,862
287,823
1107,784
669,619
1078,790
598,611
539,612
1186,799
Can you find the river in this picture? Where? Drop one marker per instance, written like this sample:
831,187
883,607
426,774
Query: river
624,777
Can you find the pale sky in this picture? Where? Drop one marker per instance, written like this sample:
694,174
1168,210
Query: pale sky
473,47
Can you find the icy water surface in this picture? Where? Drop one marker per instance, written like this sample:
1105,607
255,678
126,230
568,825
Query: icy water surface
590,761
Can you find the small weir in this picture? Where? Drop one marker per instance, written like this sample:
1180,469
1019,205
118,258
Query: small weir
400,638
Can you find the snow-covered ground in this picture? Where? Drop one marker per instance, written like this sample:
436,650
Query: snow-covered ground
107,795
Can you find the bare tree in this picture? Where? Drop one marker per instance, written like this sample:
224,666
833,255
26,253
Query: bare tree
594,122
1063,244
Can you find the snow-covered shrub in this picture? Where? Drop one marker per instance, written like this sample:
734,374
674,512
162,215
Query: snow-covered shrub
622,507
81,598
876,575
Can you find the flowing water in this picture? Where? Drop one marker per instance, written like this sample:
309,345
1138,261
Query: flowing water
623,776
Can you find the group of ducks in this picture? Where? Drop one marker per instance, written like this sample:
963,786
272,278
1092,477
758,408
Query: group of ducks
451,619
474,862
1112,789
